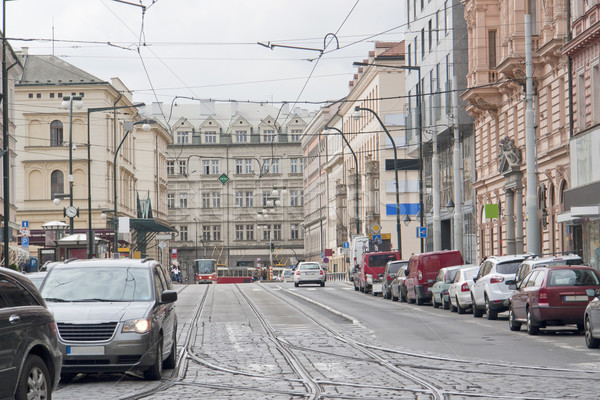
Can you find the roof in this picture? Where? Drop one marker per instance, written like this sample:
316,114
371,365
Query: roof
51,70
149,225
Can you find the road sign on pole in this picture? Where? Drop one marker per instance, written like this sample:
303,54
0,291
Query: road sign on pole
421,232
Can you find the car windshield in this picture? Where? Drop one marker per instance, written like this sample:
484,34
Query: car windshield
470,273
508,267
451,275
97,284
573,277
395,267
287,272
310,266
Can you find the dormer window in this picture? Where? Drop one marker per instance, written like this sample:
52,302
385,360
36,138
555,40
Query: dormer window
210,137
268,135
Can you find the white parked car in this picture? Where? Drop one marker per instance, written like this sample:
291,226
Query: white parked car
309,272
490,292
287,275
460,289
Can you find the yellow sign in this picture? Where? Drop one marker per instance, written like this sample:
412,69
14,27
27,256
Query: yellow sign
123,250
137,255
385,236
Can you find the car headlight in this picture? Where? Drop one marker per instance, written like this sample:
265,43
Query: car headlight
137,325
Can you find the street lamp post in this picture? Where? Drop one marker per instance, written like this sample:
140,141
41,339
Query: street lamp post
68,102
355,163
357,110
420,127
128,126
90,235
196,220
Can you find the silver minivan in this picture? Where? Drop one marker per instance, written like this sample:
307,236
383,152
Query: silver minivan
113,315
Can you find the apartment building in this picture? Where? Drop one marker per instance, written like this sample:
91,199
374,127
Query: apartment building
235,182
580,215
495,99
438,126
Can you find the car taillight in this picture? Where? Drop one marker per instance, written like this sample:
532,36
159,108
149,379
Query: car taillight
420,276
496,279
297,272
543,296
320,273
464,287
389,277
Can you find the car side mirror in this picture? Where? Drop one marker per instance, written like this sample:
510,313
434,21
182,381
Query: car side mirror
591,292
511,282
168,296
380,276
512,286
475,279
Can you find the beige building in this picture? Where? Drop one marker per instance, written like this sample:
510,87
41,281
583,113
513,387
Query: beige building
380,89
495,99
45,159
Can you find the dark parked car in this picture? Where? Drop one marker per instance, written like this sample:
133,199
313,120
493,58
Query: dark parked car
30,361
391,270
113,316
554,295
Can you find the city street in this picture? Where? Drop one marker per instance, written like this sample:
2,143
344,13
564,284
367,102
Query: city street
275,341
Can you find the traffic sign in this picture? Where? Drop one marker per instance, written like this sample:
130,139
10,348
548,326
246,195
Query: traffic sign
25,232
162,245
346,245
25,241
24,224
326,260
376,227
421,232
223,178
377,238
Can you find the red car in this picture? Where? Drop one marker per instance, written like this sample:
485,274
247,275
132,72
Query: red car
554,295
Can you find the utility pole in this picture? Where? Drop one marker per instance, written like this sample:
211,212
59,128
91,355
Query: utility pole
5,147
533,224
458,175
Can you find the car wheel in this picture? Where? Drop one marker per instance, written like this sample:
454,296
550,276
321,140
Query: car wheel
512,324
403,297
296,284
155,371
362,289
590,341
477,312
445,304
323,284
490,314
171,361
394,298
532,329
418,300
34,382
459,309
434,302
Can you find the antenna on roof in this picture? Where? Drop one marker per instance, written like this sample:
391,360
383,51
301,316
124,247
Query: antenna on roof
52,35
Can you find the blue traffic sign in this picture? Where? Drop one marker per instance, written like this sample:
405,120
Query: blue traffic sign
346,245
421,232
24,224
25,241
376,238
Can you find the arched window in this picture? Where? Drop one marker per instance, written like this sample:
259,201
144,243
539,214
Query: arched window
56,133
57,182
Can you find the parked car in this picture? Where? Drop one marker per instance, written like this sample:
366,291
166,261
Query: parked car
369,275
439,290
460,289
287,275
422,270
37,278
391,270
591,320
528,264
30,360
490,292
553,295
398,286
309,272
113,315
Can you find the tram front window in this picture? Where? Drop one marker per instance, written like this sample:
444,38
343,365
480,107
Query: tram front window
205,267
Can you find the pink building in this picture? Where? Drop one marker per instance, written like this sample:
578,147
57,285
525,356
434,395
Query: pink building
495,98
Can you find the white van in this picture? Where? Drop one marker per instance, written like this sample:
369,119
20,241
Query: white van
360,246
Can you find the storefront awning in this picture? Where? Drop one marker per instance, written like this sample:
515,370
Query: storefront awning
576,213
77,239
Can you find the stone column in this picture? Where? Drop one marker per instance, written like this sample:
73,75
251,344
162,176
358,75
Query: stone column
510,222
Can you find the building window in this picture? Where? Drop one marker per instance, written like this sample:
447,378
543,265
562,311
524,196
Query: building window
214,167
238,166
248,166
437,26
171,200
216,200
492,49
275,166
446,15
295,135
205,200
239,199
183,233
183,137
210,137
265,198
206,233
296,166
422,43
170,167
409,55
277,232
268,136
241,136
595,93
249,199
581,123
239,232
296,198
182,167
266,166
249,232
430,32
266,232
183,200
217,232
57,182
294,232
56,133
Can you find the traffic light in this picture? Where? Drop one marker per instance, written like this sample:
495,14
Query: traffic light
272,246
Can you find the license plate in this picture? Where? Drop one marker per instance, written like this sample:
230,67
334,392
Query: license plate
85,350
576,298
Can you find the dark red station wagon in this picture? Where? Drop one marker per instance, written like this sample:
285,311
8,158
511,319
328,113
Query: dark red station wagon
554,295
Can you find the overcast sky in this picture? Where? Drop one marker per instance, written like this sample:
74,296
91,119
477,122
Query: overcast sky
208,49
